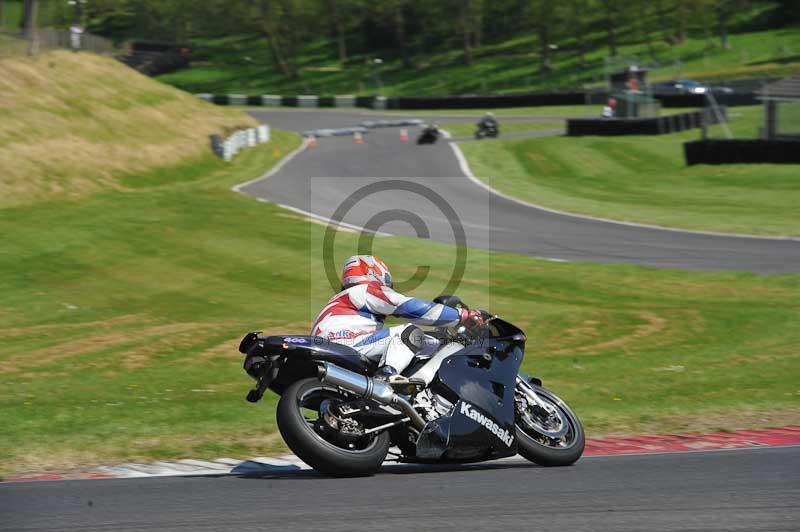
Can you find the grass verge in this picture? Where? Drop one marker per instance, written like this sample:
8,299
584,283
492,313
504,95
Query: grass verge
645,179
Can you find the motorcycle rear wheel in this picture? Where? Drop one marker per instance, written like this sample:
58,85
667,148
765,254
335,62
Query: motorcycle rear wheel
355,458
539,445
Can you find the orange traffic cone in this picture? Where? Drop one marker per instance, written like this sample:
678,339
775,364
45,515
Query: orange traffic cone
357,138
404,135
312,141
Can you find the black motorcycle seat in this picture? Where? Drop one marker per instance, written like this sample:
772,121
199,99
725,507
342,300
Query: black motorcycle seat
321,348
318,341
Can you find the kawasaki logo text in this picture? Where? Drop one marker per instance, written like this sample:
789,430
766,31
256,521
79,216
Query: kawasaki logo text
470,411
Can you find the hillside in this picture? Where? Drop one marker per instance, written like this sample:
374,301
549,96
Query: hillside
240,63
74,123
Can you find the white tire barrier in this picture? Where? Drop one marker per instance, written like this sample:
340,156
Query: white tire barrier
307,100
237,99
272,100
347,100
241,139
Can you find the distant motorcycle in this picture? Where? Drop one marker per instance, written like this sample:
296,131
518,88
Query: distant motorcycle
467,403
487,131
429,135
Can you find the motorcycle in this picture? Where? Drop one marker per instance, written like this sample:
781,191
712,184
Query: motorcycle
485,131
429,135
467,401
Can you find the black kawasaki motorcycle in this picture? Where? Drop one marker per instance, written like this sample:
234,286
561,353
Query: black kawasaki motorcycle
467,403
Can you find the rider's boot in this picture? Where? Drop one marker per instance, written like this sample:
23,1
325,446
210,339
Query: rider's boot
400,383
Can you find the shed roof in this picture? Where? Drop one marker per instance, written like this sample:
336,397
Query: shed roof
788,88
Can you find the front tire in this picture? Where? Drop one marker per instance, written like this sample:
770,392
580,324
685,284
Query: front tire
359,458
538,438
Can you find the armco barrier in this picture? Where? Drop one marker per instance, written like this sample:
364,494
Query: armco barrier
535,99
243,138
726,151
505,100
400,122
659,125
364,101
334,132
382,102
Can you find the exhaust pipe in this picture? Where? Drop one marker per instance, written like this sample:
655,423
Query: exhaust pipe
368,388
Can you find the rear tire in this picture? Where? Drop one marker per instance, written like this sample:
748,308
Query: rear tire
533,445
313,449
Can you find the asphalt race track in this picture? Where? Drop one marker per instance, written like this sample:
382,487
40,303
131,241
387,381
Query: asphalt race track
743,490
313,182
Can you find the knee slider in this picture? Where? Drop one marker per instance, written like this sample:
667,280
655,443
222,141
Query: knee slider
414,338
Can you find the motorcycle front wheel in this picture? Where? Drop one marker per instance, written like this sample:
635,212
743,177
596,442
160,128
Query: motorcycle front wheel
548,437
329,451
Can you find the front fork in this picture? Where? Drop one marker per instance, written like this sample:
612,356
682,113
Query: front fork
526,390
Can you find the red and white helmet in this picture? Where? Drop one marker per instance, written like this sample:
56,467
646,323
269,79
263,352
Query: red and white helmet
362,269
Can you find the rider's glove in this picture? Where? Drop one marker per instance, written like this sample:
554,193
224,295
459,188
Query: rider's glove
472,320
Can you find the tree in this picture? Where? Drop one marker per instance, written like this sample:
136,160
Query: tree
610,22
580,17
269,22
477,23
338,26
465,22
724,9
544,28
644,28
31,25
399,22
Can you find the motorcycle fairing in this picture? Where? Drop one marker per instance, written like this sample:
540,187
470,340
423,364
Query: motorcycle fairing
480,381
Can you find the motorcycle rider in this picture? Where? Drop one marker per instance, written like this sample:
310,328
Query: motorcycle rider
488,122
355,317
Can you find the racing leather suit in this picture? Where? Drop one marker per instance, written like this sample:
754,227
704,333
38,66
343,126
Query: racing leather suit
355,316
